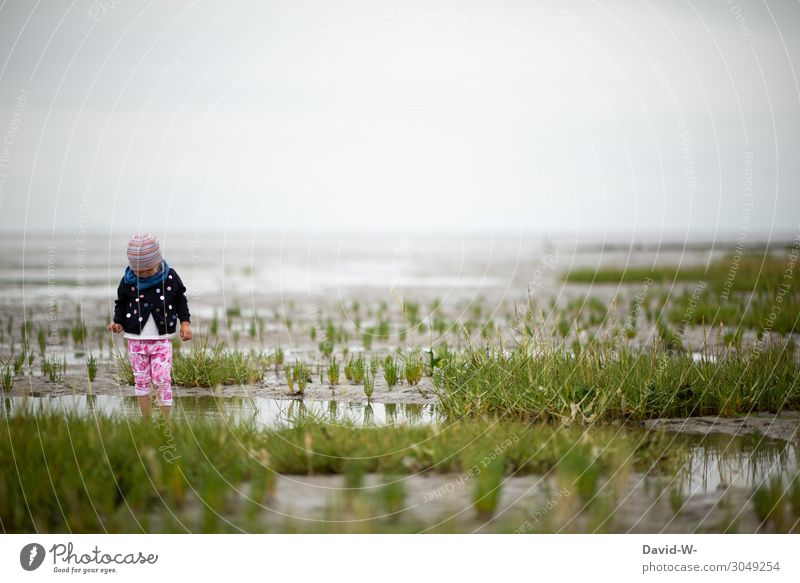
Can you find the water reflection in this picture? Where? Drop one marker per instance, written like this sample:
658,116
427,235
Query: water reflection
262,412
716,461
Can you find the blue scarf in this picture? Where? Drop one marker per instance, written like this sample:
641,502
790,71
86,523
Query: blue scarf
130,277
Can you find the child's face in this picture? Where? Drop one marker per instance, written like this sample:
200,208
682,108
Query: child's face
145,272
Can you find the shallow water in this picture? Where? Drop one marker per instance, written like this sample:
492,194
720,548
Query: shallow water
717,461
263,412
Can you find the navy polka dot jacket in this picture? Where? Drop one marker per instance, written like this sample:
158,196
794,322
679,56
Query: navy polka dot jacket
165,302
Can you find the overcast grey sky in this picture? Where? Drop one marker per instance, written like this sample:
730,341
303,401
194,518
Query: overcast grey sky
498,116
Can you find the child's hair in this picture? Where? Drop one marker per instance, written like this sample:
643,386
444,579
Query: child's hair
144,252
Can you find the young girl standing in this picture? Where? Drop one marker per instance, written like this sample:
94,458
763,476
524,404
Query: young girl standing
151,300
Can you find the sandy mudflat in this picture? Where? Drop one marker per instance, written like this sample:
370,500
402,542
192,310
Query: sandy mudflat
273,387
785,425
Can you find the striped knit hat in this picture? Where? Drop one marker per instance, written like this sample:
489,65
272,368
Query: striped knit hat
144,252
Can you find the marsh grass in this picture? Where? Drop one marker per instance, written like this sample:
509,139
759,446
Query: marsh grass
384,329
391,371
326,347
333,372
670,339
738,294
413,368
7,375
41,338
115,473
290,380
366,338
488,484
24,332
374,364
606,381
301,374
354,369
392,495
54,368
91,367
121,369
354,473
209,366
204,366
213,327
369,384
753,272
79,333
278,357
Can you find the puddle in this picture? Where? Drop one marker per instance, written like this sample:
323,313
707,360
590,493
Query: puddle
264,412
717,461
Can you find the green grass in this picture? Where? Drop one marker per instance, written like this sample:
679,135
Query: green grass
366,338
123,475
753,311
354,369
213,327
42,340
54,368
369,384
15,362
91,367
278,356
752,273
488,484
413,368
758,292
333,372
391,371
604,383
79,333
301,375
205,366
7,375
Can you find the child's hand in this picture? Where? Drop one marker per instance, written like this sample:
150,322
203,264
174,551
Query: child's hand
114,327
186,331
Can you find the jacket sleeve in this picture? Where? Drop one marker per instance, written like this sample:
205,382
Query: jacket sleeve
181,303
119,305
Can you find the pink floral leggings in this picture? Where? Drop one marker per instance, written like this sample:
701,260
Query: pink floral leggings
152,360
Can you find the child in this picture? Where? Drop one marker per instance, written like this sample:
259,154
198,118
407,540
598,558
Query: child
150,301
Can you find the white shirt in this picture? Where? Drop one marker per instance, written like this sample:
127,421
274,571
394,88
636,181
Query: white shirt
149,332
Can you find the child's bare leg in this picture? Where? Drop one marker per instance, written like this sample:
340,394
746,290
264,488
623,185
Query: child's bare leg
160,369
145,405
140,363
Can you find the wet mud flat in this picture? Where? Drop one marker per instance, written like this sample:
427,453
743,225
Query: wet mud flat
784,425
273,386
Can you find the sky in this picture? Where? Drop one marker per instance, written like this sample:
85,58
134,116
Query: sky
670,118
